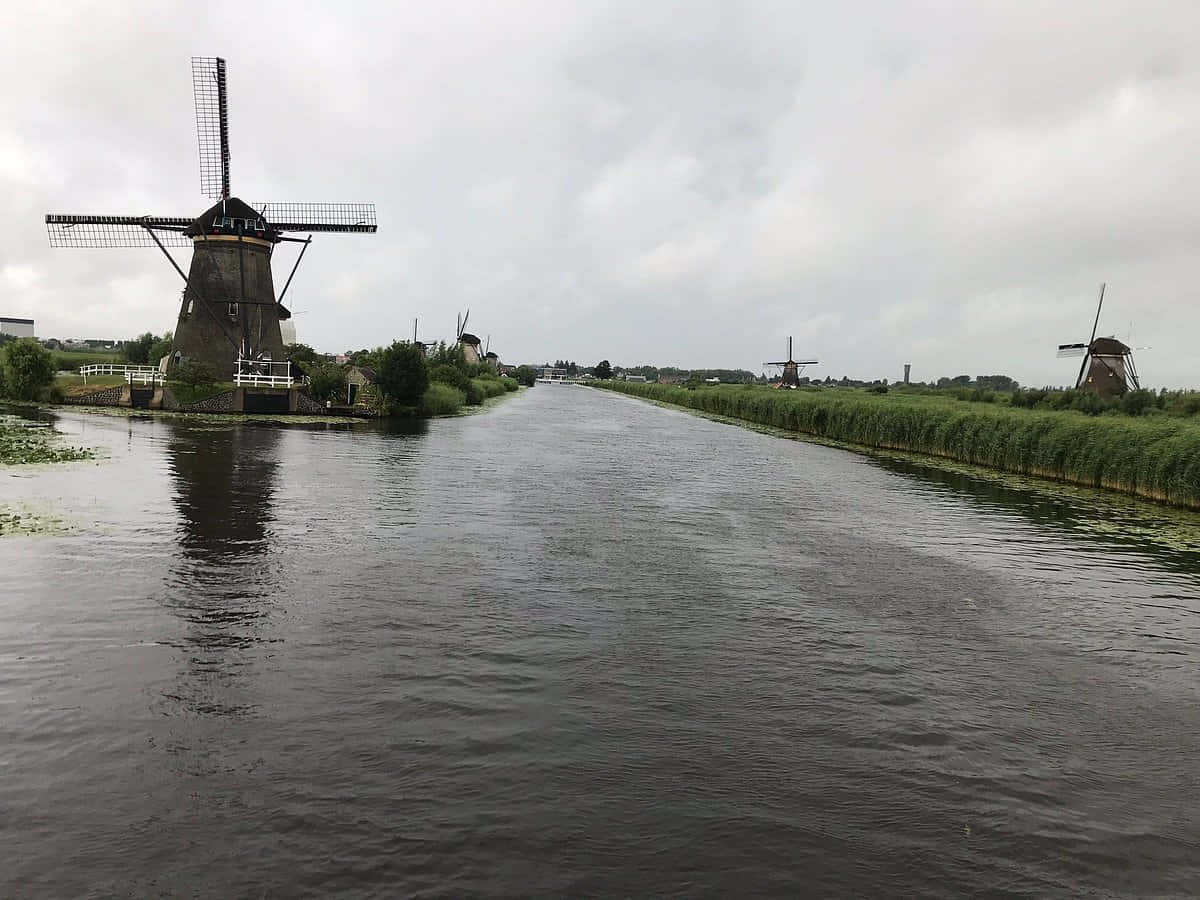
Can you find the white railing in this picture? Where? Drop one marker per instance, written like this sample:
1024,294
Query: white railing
251,379
140,374
262,373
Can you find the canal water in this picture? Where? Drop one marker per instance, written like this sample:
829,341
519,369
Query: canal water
581,645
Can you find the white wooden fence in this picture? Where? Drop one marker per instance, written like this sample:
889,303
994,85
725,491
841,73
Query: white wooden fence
140,374
262,373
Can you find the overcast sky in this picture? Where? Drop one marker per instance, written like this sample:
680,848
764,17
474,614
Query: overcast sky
941,183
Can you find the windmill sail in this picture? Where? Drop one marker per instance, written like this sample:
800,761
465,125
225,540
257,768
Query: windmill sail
115,231
323,217
212,125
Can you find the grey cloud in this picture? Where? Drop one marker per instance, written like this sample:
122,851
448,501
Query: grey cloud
679,183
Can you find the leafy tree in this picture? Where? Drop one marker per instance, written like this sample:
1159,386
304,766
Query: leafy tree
368,358
525,375
303,354
146,349
443,373
401,375
195,373
1135,403
28,369
327,382
604,369
137,351
996,382
448,355
160,348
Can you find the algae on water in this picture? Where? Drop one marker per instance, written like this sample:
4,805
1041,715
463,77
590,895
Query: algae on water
23,441
26,523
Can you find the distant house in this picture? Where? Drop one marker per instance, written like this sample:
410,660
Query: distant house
670,379
640,378
361,390
21,328
713,380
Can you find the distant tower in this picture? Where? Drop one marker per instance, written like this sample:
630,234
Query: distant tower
907,369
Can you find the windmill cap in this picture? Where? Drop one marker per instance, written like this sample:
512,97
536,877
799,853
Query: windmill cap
1108,346
232,208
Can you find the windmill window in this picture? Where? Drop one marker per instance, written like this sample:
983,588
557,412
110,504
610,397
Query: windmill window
233,310
188,309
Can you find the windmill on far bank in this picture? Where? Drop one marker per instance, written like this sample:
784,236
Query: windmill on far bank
470,343
791,368
1107,368
229,316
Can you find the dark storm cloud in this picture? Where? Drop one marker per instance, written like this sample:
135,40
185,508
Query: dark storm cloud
685,183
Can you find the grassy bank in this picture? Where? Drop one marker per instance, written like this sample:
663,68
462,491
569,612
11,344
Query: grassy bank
448,397
71,360
1157,458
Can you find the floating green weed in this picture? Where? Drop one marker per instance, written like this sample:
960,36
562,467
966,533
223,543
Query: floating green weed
23,442
24,523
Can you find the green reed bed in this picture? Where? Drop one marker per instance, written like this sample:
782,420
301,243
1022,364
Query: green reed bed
1156,457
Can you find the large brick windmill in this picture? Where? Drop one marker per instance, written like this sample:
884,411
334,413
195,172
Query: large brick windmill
229,315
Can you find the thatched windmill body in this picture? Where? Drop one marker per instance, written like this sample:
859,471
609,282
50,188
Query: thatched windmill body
1107,368
791,368
229,315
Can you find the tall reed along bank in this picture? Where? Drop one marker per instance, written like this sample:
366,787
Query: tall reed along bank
1157,458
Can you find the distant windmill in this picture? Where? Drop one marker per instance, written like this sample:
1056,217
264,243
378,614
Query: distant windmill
420,345
492,359
791,368
229,310
469,342
1107,368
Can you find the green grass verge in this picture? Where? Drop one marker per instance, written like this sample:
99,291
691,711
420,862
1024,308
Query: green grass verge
74,385
1156,458
187,394
73,359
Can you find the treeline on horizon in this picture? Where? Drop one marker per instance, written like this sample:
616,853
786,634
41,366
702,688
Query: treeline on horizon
1157,457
